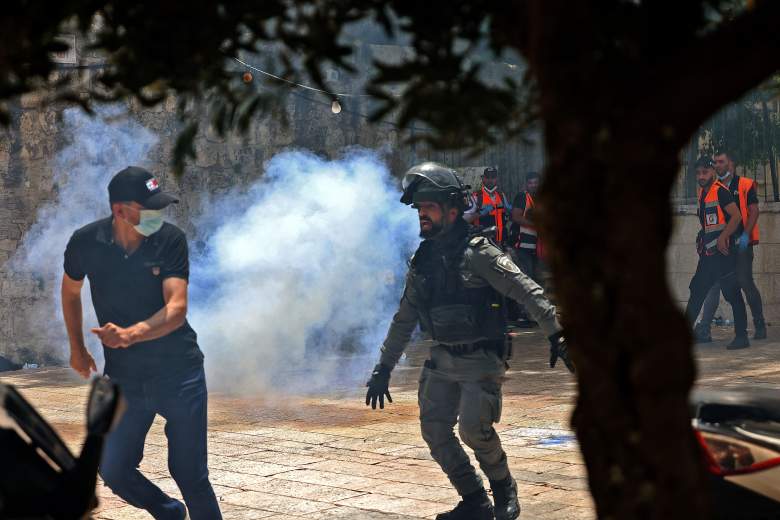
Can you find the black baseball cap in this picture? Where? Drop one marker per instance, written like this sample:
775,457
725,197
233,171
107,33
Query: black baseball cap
490,171
704,161
134,184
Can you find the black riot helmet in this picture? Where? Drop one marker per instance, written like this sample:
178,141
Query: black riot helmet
433,182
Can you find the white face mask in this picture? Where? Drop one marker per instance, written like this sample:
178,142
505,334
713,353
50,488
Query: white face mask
150,222
724,176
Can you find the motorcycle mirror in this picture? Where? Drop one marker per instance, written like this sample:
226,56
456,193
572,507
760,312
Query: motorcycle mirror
35,428
104,407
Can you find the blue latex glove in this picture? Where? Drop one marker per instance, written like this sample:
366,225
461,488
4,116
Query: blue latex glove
743,240
486,210
508,206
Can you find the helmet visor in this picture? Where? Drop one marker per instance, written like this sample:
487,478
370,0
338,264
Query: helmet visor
412,177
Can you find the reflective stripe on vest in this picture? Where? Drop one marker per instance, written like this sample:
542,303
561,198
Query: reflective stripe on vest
496,200
528,237
743,187
714,219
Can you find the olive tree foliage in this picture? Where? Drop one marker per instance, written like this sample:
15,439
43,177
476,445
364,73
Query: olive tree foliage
745,129
154,49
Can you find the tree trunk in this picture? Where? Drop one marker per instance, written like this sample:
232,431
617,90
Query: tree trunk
616,110
635,373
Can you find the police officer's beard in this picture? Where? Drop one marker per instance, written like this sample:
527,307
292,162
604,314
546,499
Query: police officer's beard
434,229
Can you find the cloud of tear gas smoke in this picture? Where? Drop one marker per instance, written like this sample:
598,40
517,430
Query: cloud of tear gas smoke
299,275
294,278
97,148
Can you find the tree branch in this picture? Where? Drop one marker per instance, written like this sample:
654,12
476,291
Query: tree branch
716,69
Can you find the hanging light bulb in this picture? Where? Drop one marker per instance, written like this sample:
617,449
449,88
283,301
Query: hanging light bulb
247,77
335,107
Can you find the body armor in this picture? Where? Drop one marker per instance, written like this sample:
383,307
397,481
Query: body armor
455,305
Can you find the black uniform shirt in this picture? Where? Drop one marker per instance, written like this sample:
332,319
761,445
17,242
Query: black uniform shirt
127,289
517,203
752,198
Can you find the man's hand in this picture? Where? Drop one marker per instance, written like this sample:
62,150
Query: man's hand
723,244
114,336
82,362
486,209
378,387
743,241
560,349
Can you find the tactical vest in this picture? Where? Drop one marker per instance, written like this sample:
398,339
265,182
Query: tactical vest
527,237
743,187
455,305
497,199
713,220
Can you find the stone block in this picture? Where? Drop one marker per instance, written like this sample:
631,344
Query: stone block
773,292
770,258
765,287
769,223
678,286
685,229
31,99
772,314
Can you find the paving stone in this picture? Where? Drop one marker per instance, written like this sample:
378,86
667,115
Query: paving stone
275,503
392,504
271,459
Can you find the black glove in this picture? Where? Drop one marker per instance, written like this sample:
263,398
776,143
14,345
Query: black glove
560,349
378,387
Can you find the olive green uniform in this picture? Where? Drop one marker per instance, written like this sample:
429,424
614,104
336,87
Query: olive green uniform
463,385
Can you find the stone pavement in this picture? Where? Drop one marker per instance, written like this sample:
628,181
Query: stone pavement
329,456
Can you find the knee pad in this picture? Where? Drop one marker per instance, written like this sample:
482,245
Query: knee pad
435,433
474,433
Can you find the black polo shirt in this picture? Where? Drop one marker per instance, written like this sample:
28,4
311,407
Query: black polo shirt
127,289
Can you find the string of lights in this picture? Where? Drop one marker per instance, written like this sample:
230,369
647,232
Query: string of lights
335,106
247,77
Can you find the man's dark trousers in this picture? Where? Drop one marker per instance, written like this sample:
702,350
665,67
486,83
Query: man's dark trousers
180,397
746,283
710,270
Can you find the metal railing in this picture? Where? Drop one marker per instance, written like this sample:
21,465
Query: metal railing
749,130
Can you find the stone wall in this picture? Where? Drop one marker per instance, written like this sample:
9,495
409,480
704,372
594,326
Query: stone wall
29,146
682,259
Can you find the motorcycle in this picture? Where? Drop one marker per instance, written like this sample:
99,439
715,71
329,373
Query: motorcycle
39,476
739,432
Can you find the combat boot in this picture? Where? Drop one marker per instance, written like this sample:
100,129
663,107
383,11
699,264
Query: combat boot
760,329
507,506
474,506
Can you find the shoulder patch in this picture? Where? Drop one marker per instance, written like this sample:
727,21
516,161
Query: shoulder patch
505,264
477,241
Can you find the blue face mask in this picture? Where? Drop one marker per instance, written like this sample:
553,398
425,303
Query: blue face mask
150,222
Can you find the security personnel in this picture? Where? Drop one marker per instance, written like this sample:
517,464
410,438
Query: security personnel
525,240
744,192
491,205
719,218
455,288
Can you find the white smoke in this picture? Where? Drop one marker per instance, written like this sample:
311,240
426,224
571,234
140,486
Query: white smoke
293,278
307,264
97,148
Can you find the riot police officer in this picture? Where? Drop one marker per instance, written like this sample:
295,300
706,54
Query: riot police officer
456,287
